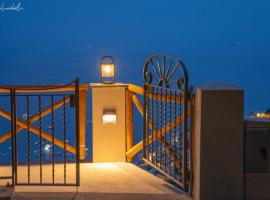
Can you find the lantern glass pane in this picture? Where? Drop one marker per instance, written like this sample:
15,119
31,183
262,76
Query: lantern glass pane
107,70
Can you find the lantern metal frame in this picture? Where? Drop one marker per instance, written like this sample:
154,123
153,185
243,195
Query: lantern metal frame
101,63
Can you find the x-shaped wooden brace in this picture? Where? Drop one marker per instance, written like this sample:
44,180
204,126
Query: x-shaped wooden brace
157,134
23,125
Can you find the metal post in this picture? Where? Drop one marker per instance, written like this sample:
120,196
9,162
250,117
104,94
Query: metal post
77,103
185,134
144,122
12,134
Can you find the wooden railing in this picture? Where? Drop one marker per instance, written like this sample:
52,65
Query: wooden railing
44,89
131,99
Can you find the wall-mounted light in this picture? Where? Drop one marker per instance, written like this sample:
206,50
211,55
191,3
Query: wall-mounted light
107,69
109,116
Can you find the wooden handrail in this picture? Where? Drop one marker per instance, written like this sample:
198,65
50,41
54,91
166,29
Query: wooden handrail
137,103
136,89
43,88
34,130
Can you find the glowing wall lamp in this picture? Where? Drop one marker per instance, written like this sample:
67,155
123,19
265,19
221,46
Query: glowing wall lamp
109,116
107,70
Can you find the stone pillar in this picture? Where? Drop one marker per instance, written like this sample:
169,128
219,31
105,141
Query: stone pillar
218,143
109,140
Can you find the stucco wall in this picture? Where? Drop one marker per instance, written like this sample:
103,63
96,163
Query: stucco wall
109,141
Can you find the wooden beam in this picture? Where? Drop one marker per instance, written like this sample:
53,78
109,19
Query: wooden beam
136,148
137,103
129,123
34,130
82,123
34,118
43,88
172,154
139,106
161,132
136,89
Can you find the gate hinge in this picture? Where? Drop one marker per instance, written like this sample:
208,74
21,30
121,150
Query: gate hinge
189,176
191,95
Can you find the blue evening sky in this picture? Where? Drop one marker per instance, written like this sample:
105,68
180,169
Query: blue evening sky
219,41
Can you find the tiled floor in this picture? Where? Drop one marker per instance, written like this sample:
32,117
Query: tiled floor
102,181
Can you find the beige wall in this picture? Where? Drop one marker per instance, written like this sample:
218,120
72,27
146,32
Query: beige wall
218,143
109,141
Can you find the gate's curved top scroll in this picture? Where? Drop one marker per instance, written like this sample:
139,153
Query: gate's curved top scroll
165,71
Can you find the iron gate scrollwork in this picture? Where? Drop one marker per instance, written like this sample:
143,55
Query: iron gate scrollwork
44,134
167,121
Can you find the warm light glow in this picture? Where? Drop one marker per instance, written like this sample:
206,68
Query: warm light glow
47,147
258,115
104,165
107,70
263,115
109,118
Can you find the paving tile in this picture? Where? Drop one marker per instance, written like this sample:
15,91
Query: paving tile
99,181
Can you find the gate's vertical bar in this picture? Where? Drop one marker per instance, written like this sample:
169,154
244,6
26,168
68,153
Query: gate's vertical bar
40,138
180,144
77,103
170,133
157,125
152,122
185,133
165,131
11,96
15,135
28,138
148,122
144,121
52,130
161,128
65,138
175,137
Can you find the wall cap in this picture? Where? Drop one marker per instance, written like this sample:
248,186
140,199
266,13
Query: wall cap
219,86
106,85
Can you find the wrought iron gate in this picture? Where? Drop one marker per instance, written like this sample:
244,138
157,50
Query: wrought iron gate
44,134
167,119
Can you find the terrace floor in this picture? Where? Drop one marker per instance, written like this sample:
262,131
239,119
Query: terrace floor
99,181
